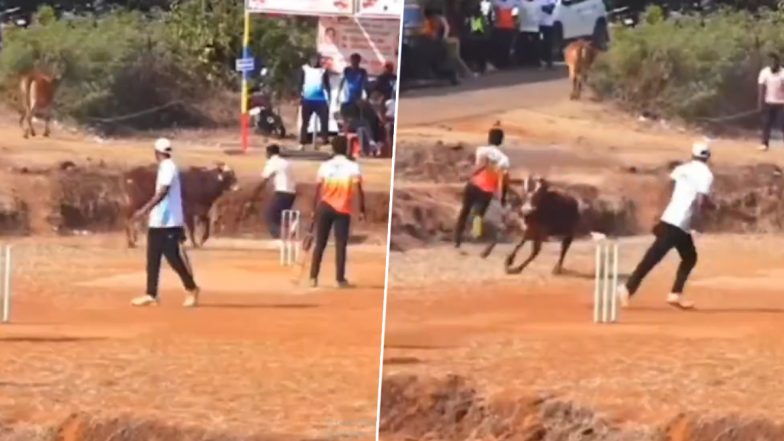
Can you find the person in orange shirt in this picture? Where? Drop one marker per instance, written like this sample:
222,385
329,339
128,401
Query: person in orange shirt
506,16
488,179
338,180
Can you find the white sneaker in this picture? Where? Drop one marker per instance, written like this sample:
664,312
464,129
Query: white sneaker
677,301
145,300
622,294
191,299
302,147
763,148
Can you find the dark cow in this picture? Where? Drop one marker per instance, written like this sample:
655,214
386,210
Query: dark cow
201,187
37,95
545,213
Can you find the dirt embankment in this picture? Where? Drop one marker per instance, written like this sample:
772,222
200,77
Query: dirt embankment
749,199
451,409
81,427
74,199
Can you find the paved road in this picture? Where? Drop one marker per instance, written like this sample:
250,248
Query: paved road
495,92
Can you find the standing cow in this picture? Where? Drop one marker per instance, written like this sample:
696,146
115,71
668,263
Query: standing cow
201,187
37,97
545,213
579,56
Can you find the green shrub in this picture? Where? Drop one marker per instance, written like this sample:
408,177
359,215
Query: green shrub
126,62
693,68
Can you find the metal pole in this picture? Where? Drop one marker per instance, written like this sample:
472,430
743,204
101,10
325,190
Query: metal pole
246,53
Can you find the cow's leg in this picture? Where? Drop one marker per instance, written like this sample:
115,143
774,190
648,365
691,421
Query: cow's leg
47,119
511,257
534,252
190,224
30,127
565,244
573,79
205,219
130,233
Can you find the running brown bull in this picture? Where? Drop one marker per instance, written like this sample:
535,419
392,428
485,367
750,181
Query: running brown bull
201,187
579,56
545,213
37,97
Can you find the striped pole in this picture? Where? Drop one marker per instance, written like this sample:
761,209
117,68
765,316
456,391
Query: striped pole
244,117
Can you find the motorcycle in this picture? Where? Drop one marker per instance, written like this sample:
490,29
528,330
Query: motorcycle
264,118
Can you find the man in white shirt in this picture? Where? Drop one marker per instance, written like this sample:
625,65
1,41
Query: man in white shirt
278,170
315,100
546,22
771,98
690,198
488,180
166,234
527,48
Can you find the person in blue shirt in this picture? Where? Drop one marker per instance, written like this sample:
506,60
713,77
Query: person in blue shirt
354,82
316,96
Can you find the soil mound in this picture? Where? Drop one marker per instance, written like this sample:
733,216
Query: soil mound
451,409
90,198
440,163
81,427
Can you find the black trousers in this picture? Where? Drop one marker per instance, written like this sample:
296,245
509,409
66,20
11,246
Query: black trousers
281,201
167,242
475,48
772,114
667,238
473,197
327,218
546,48
527,49
321,109
502,40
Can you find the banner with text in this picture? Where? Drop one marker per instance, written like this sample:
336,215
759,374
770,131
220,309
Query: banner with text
376,40
380,8
301,7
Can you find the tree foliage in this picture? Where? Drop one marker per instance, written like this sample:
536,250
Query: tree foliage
125,61
694,68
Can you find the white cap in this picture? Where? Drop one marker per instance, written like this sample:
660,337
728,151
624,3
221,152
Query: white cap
163,145
701,150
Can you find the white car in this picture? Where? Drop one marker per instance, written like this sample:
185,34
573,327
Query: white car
573,19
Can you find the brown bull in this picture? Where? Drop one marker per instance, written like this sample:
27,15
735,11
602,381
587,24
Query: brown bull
37,96
579,56
546,213
201,187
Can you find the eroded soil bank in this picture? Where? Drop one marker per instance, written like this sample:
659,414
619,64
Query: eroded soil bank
628,202
451,409
90,198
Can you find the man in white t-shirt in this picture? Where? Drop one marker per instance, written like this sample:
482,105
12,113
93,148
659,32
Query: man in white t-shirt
771,98
690,198
489,179
527,48
279,170
166,234
546,22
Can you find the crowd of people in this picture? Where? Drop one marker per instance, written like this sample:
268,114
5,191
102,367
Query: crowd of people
366,109
501,33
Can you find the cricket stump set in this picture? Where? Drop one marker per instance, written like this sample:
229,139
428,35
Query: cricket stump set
290,237
605,295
